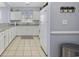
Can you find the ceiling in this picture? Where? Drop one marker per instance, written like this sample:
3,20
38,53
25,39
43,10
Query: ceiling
23,4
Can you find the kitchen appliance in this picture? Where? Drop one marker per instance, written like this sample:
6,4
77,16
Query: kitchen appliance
70,50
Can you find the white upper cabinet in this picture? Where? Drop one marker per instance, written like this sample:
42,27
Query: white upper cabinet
16,15
36,15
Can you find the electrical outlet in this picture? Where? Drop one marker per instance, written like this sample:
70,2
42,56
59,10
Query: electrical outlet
64,21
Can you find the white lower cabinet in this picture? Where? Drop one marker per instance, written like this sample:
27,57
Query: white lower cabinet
1,42
6,37
9,33
27,30
12,33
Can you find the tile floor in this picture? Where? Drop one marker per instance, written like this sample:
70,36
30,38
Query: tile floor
24,48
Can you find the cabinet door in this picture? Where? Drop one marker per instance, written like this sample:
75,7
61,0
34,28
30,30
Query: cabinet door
1,42
6,38
12,33
27,30
9,35
36,15
16,16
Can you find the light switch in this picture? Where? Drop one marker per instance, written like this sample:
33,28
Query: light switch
64,21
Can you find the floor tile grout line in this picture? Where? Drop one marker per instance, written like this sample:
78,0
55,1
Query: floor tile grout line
30,46
8,51
24,47
16,50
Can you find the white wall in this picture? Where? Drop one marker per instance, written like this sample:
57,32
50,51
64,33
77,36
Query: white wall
0,16
56,25
5,14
